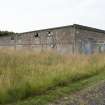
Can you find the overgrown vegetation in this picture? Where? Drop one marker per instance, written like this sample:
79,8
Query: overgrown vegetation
23,74
5,33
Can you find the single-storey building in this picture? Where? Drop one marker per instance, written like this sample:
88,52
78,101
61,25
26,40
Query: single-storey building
67,39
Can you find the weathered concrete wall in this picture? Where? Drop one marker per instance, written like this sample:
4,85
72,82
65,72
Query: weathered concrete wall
7,42
64,40
60,40
88,41
67,39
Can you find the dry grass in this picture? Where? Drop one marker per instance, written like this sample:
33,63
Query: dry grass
28,73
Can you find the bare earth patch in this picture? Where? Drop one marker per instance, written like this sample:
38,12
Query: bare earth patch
94,95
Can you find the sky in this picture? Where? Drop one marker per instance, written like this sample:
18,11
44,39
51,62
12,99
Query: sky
29,15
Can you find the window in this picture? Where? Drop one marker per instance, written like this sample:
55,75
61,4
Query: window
36,35
49,34
12,37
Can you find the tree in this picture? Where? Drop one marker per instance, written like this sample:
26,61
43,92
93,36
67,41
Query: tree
4,33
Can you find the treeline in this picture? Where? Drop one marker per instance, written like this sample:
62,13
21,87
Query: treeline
4,33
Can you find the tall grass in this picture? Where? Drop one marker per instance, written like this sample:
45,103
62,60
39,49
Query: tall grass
23,74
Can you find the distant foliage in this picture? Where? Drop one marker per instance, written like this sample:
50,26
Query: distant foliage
4,33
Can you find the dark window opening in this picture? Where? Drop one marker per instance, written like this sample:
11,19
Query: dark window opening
36,35
49,33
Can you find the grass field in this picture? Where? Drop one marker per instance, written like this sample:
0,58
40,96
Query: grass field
24,74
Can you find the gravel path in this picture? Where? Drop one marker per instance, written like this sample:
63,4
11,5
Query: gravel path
92,96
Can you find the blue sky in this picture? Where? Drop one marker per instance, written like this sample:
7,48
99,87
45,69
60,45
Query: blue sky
28,15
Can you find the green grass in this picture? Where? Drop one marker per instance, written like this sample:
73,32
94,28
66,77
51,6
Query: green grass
44,76
63,91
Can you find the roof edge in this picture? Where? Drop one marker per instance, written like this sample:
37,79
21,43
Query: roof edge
77,26
47,29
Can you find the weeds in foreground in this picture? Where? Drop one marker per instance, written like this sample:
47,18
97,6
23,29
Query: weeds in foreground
23,74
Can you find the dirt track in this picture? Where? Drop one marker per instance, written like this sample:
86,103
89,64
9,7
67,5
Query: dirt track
92,96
